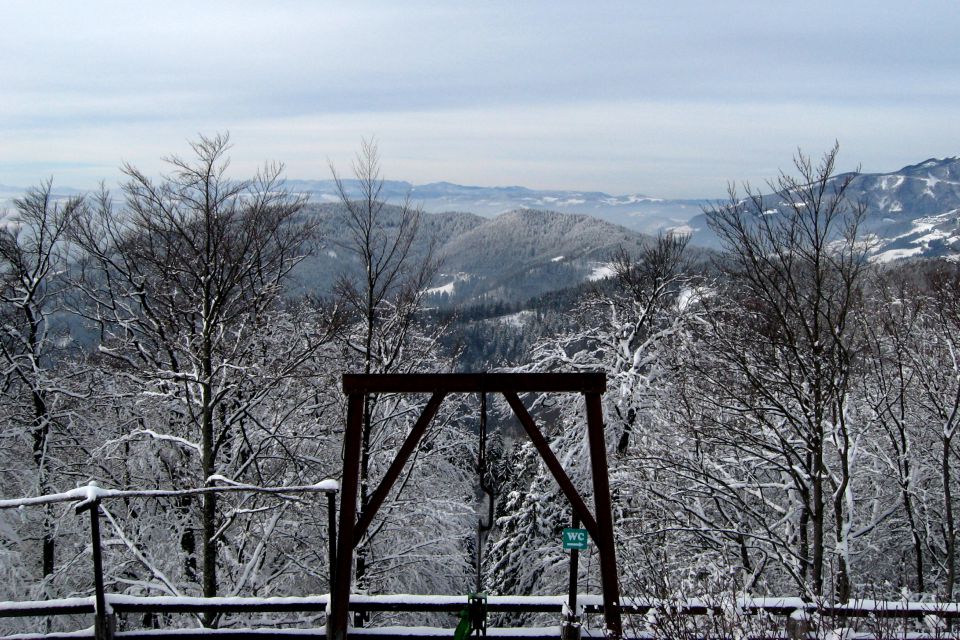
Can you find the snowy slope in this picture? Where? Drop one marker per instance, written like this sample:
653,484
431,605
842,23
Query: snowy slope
912,212
511,257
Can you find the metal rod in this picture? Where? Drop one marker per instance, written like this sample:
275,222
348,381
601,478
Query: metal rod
603,507
574,570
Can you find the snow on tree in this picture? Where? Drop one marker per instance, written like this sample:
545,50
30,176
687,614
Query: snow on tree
428,517
184,285
41,377
783,361
627,328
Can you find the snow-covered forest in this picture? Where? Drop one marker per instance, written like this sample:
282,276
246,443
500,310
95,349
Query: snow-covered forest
780,423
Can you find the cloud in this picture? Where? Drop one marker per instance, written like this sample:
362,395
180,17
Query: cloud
671,98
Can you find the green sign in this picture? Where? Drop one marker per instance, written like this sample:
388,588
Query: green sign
575,538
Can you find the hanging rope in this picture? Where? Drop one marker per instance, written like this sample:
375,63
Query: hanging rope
486,487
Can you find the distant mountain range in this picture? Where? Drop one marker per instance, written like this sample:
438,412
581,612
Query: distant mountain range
634,211
912,212
511,243
538,246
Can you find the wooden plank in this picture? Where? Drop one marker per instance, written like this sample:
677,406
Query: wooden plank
396,467
145,606
474,382
216,634
430,633
343,574
602,505
43,608
62,635
553,465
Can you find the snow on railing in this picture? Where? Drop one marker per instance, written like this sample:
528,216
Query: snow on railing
104,606
119,604
93,491
800,616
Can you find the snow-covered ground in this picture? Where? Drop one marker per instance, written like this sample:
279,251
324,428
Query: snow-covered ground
601,271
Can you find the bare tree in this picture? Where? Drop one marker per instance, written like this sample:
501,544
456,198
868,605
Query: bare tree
892,323
33,265
182,282
935,360
795,268
384,295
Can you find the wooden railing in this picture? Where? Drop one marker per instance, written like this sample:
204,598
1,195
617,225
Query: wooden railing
783,609
104,606
791,617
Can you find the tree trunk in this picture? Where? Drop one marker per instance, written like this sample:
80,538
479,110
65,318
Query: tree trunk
816,516
41,436
361,566
209,516
950,533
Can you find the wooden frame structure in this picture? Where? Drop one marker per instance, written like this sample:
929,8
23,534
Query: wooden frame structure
352,528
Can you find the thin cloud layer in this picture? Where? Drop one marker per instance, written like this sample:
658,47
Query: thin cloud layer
673,100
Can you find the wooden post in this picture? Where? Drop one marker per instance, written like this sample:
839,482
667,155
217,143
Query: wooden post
102,626
604,510
332,537
340,596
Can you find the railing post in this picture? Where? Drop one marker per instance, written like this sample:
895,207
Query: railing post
604,513
103,624
570,627
799,625
332,537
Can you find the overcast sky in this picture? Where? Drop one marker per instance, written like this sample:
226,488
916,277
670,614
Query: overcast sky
669,99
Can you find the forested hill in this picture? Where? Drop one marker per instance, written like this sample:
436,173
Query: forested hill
509,258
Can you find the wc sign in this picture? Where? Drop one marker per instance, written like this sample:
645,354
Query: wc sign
575,539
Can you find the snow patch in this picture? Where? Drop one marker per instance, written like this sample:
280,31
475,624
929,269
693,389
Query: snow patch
601,272
518,320
895,254
891,182
934,235
447,289
692,295
557,259
451,286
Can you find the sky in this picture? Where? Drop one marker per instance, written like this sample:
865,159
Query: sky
670,99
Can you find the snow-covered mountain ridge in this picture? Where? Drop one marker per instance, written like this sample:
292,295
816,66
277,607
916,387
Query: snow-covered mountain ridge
912,212
511,257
